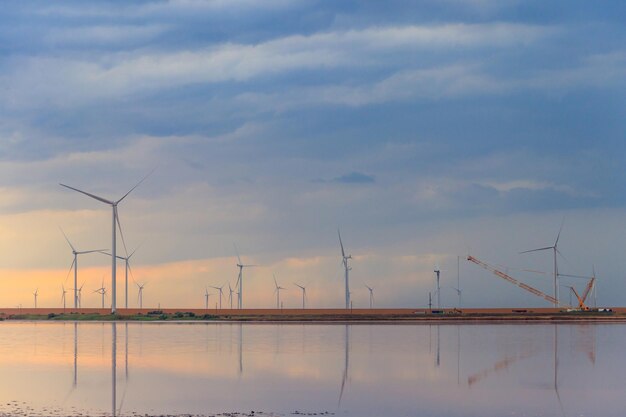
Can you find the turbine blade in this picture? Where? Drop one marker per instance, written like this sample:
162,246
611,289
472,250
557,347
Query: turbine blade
343,253
70,270
104,200
556,242
237,253
559,252
92,251
132,276
537,250
137,185
67,239
119,226
133,252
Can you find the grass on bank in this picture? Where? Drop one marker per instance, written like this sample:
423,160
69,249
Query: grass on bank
151,316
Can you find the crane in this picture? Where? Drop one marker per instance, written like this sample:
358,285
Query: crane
512,280
581,300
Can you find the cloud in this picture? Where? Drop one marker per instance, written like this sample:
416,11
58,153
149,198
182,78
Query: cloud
102,34
65,81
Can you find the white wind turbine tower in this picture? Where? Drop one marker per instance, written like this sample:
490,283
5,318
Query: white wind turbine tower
36,293
347,269
75,265
241,266
371,290
127,268
555,251
206,298
277,291
303,294
220,289
140,294
115,221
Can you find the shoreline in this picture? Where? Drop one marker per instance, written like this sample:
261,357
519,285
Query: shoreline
321,316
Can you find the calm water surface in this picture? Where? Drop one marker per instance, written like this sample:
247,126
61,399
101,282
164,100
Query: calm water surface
347,370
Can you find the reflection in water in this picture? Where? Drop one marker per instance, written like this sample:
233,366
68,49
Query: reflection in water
556,368
75,382
114,367
240,349
346,363
173,374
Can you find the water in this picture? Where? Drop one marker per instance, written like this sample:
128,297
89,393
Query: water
280,369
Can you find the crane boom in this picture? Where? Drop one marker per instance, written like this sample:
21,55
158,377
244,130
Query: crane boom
512,280
581,302
588,288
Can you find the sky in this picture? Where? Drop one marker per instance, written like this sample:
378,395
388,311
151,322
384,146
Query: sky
424,130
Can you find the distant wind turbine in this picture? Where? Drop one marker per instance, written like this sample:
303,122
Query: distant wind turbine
555,251
75,265
371,290
127,268
206,298
220,289
437,274
79,290
115,221
303,294
347,269
230,296
102,291
140,294
63,295
239,285
36,293
277,291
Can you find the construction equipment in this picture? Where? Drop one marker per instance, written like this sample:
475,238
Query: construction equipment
512,280
581,300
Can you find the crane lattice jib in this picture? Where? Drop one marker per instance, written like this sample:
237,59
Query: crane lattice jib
581,301
512,280
588,288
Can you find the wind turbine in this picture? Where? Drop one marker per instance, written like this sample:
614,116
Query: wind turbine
206,299
79,298
102,291
140,295
115,221
277,291
80,295
127,268
458,279
371,290
220,289
63,295
555,251
347,269
75,265
241,266
438,273
36,293
303,294
230,296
